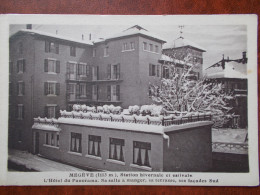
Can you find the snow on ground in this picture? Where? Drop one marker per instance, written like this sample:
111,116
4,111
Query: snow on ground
229,135
37,163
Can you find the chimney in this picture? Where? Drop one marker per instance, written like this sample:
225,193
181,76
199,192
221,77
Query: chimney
244,59
90,36
56,32
29,26
82,37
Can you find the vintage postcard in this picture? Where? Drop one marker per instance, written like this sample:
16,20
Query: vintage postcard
129,100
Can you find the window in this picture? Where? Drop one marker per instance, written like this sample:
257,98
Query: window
109,93
113,93
95,73
94,52
94,145
82,90
51,110
20,112
20,48
156,49
20,66
109,71
166,72
116,71
151,47
20,88
95,92
47,139
75,143
51,88
51,47
124,47
142,152
145,46
72,51
52,139
72,88
106,52
158,71
152,71
51,66
83,69
132,46
116,149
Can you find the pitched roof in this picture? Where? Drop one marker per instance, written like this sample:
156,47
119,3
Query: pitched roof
165,58
134,30
232,70
181,42
41,33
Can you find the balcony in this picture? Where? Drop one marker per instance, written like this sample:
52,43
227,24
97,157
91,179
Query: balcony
93,79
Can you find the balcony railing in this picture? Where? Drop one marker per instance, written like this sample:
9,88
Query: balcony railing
236,148
89,78
137,119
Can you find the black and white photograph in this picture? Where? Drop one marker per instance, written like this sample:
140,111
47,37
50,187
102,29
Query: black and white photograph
153,103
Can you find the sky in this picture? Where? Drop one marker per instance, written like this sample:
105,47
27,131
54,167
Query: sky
230,40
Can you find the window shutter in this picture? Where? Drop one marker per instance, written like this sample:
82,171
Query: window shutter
45,88
97,73
150,69
118,71
68,70
23,88
23,112
46,111
47,46
77,69
118,92
57,110
77,91
57,66
57,88
57,48
158,70
24,65
109,93
45,65
97,92
109,71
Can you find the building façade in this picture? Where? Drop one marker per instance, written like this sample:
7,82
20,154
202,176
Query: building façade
49,73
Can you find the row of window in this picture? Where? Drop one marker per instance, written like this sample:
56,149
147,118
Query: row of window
141,150
50,111
128,46
150,47
86,91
